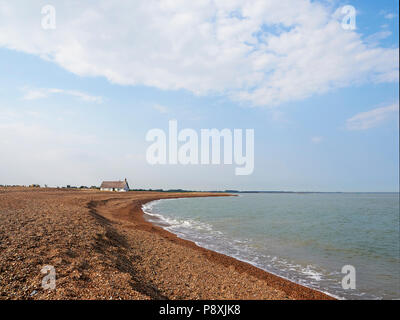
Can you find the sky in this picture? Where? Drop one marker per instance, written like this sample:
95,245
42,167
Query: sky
77,100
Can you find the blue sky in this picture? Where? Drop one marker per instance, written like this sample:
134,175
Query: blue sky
76,102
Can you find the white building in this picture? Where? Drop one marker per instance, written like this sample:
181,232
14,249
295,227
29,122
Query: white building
119,186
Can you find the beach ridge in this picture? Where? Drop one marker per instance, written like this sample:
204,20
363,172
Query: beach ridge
292,289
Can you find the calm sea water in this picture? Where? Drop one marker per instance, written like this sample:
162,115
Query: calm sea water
306,238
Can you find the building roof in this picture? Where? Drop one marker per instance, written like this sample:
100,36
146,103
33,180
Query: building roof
115,184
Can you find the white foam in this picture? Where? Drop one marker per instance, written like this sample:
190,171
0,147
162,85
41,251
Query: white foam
175,223
205,236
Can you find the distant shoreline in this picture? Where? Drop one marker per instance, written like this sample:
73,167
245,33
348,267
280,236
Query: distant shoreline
66,188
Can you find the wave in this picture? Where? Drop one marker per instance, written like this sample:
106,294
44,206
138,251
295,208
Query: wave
205,236
256,250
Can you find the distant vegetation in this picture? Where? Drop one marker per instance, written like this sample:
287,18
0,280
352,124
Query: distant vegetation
162,190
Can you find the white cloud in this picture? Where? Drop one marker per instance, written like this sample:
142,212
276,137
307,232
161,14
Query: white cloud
160,108
6,115
372,118
317,139
390,16
31,151
33,94
375,38
261,52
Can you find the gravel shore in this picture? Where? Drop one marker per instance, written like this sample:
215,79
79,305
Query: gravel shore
102,248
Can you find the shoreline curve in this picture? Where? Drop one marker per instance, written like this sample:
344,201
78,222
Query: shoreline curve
292,289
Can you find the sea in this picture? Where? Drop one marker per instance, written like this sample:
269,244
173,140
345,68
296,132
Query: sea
308,238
